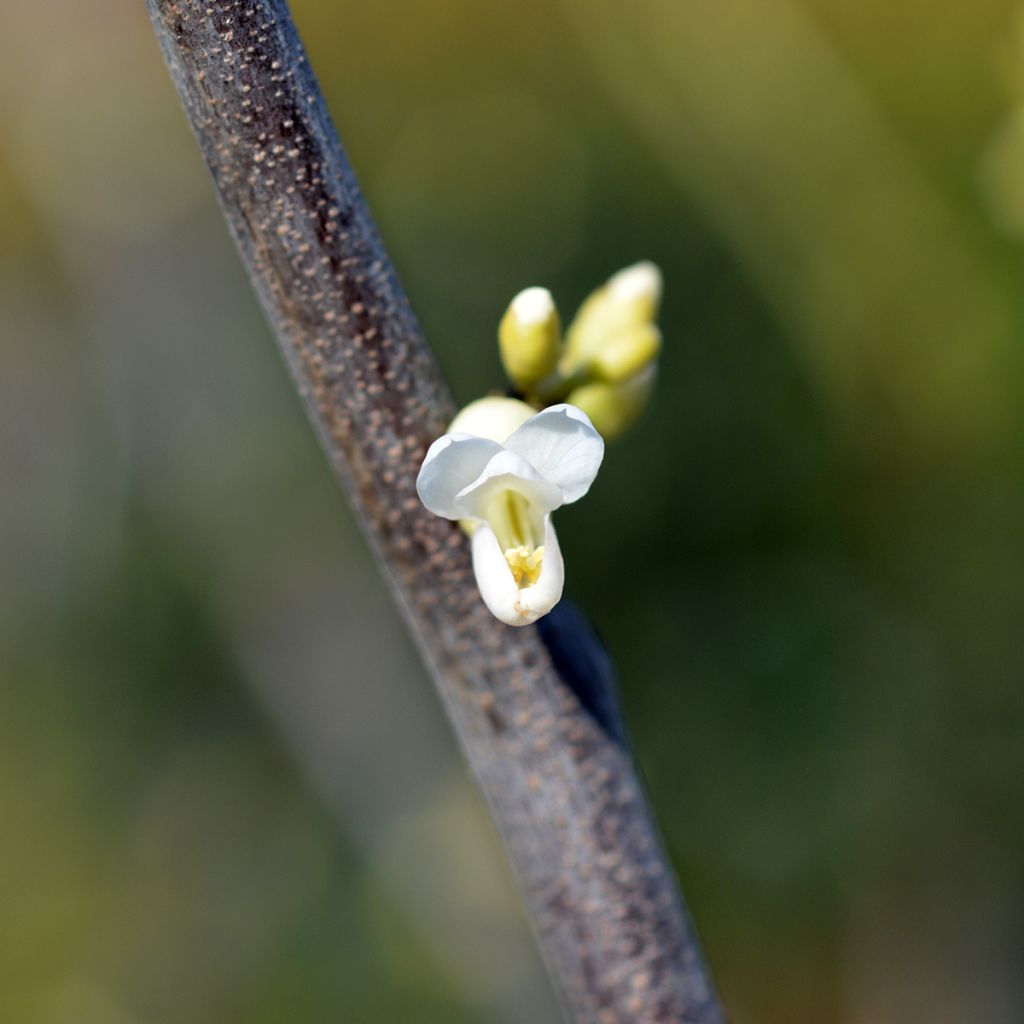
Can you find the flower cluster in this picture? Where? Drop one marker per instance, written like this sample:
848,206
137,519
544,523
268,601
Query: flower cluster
606,362
503,467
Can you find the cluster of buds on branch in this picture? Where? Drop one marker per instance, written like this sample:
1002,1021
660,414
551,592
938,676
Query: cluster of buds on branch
506,464
606,362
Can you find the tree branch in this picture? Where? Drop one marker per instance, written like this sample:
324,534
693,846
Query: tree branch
533,708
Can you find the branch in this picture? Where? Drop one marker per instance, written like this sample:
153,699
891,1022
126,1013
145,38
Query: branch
533,708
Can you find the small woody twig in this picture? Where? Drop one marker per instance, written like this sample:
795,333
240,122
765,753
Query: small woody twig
533,708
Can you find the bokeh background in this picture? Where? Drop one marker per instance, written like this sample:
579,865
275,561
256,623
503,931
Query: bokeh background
227,795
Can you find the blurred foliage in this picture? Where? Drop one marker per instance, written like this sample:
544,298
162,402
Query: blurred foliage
225,789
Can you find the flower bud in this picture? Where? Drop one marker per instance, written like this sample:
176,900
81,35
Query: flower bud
636,291
628,300
493,418
529,337
626,354
614,407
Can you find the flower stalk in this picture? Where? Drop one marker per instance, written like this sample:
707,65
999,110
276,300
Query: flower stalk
533,708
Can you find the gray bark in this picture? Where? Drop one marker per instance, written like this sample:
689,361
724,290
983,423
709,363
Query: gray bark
533,708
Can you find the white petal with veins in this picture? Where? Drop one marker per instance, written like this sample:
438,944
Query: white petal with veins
562,446
453,462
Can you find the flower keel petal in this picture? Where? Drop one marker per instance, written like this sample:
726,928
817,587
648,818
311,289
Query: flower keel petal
506,601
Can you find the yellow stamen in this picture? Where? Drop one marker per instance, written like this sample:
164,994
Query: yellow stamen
525,564
515,527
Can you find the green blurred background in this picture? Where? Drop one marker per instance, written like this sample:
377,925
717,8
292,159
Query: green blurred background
226,792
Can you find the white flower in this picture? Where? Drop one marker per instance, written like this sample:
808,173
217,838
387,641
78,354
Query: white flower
503,474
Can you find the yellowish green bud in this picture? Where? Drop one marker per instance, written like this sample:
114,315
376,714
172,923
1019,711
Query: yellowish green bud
636,291
614,407
629,299
626,354
530,337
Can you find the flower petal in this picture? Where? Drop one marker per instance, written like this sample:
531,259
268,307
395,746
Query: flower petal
503,598
506,471
453,462
562,446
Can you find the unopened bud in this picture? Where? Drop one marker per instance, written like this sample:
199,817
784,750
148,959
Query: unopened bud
614,407
493,417
626,354
636,291
628,300
530,336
